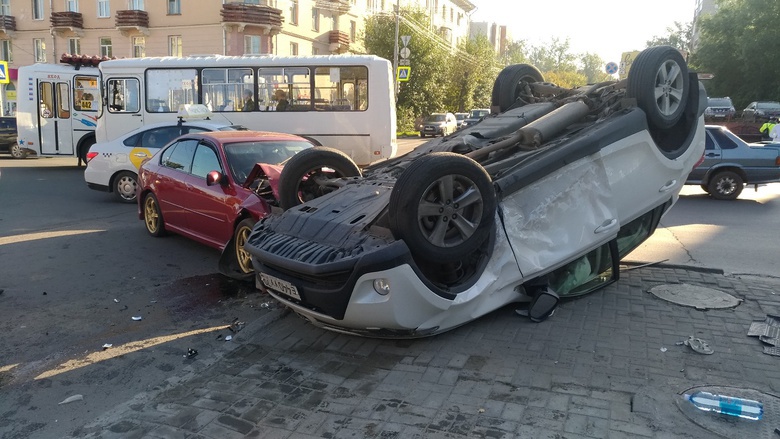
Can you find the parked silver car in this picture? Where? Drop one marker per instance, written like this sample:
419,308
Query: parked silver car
439,124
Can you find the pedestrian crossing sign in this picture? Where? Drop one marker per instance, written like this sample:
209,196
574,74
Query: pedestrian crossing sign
403,73
4,78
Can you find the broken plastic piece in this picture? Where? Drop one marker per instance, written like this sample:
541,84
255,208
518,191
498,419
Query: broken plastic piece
663,349
71,399
116,300
236,326
228,337
191,353
107,345
265,305
698,345
137,318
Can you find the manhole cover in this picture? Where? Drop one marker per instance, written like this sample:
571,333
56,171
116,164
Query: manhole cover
732,426
695,296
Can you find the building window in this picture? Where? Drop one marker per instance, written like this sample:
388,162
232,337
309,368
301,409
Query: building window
105,47
174,46
294,49
252,2
103,10
315,51
39,50
137,5
37,11
315,19
174,7
5,7
352,31
72,5
251,44
5,51
74,46
294,12
139,47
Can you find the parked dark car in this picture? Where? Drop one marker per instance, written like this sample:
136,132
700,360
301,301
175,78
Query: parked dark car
535,203
729,163
719,108
213,186
475,115
8,138
760,110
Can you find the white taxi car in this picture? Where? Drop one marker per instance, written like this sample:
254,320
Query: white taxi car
113,166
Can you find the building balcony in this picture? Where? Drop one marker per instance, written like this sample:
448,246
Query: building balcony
132,21
7,25
67,23
340,7
242,15
339,41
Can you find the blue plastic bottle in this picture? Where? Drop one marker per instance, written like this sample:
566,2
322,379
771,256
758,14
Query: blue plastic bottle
728,405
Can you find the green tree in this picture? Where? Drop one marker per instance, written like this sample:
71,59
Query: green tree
592,68
422,94
679,37
736,44
472,71
553,57
515,53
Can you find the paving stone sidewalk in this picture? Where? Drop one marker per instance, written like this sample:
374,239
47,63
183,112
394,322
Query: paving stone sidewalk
606,365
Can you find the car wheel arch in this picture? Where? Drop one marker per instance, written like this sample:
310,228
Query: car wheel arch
724,168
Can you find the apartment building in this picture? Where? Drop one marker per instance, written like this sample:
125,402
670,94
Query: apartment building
41,31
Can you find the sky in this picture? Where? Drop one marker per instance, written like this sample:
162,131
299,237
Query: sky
604,27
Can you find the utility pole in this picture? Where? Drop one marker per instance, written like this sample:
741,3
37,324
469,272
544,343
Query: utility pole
395,52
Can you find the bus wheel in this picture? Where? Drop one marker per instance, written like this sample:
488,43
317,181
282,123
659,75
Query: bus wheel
84,149
311,173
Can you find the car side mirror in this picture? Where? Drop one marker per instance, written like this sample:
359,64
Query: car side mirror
213,178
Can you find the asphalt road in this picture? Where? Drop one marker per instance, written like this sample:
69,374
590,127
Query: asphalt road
76,266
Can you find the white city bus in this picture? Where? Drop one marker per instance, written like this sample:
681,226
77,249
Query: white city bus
341,101
57,109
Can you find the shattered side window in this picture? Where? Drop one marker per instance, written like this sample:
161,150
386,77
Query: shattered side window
585,274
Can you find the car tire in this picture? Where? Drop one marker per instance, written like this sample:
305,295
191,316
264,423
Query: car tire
153,218
17,151
240,236
510,82
303,178
424,211
125,186
660,83
725,185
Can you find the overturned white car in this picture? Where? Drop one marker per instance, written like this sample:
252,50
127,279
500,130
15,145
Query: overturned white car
538,201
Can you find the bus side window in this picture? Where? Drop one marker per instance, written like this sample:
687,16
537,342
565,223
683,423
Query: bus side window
123,95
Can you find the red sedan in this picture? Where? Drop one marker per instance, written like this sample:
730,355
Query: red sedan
206,187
